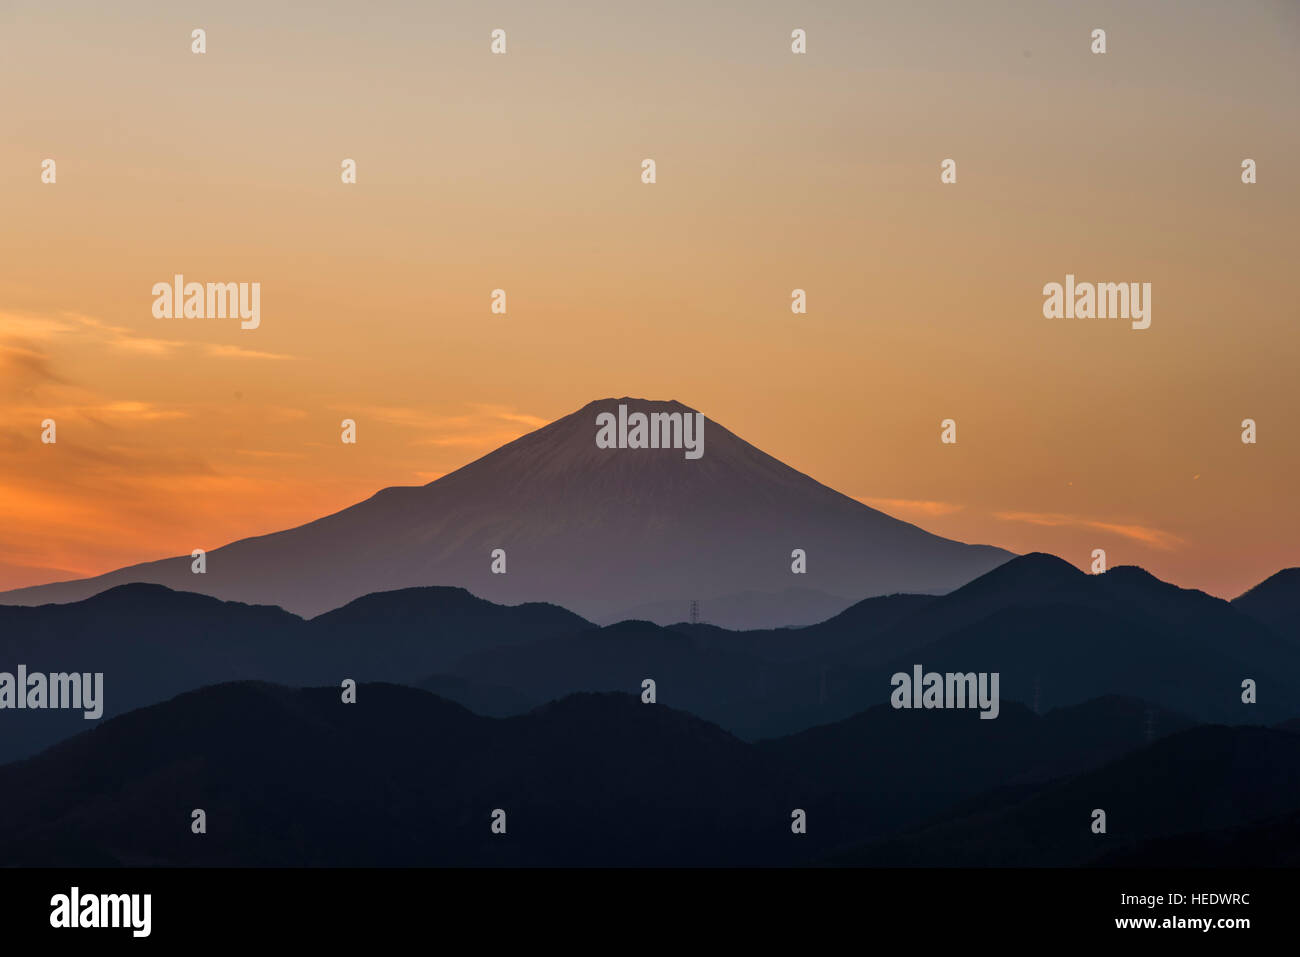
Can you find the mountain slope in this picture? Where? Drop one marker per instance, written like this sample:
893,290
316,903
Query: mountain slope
1055,635
1184,790
1276,602
401,777
594,530
1060,637
151,643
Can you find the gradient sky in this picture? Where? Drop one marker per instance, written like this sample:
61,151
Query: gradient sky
775,171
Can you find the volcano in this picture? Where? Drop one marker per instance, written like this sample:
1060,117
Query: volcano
598,530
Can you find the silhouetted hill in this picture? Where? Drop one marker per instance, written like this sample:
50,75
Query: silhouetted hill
1276,602
1055,636
855,628
404,634
1066,654
594,530
903,766
402,777
492,701
1028,581
1272,843
1060,637
1192,784
715,678
152,643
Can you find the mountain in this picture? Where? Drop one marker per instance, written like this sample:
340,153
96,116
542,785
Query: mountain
1058,636
904,766
404,635
1276,602
1215,788
491,701
152,643
402,777
596,530
1274,842
715,680
1055,635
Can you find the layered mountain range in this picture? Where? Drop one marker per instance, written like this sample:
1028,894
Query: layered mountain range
523,692
1057,637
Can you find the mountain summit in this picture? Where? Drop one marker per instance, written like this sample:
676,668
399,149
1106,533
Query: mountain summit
597,530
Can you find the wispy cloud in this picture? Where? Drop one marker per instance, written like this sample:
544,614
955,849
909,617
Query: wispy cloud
507,414
31,327
24,361
120,338
1153,537
22,366
124,339
139,410
237,352
269,454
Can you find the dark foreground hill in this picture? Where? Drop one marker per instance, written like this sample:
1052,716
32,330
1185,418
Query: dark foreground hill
1224,790
402,777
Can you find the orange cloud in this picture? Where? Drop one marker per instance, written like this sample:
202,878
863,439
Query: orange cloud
235,352
1153,537
22,367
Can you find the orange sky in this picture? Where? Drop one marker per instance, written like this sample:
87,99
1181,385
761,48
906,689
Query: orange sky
775,171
